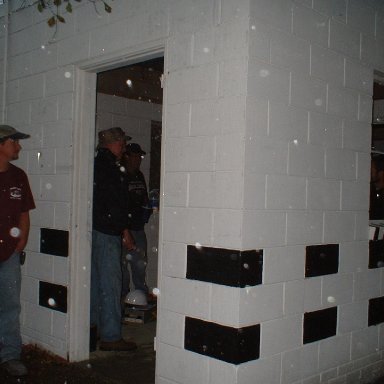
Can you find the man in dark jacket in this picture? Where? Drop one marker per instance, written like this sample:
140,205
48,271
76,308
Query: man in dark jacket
110,232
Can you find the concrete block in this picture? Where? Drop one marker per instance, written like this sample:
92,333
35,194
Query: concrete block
222,372
44,110
44,58
327,65
337,9
361,17
365,108
13,91
325,130
62,216
230,85
205,118
310,25
268,82
339,227
63,160
283,264
280,335
260,303
257,231
294,188
254,191
73,49
227,228
352,316
312,294
171,329
30,290
353,256
323,194
175,189
337,289
57,134
199,226
358,77
180,48
294,297
174,259
40,266
357,136
59,81
229,152
42,162
59,325
61,270
257,118
176,219
43,215
259,41
18,114
178,118
264,370
19,66
361,220
334,351
31,87
225,305
340,164
364,342
288,123
367,284
55,188
304,227
308,93
306,160
354,196
344,39
65,106
39,319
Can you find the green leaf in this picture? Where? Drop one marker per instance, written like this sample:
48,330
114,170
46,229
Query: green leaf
57,2
40,7
107,8
69,8
60,18
52,21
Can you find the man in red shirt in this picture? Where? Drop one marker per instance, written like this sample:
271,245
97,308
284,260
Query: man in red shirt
15,203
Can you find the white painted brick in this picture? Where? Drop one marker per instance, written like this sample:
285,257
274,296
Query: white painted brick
182,44
306,160
175,228
175,189
365,108
55,188
230,85
323,194
40,266
364,342
294,297
300,363
177,117
265,370
338,227
199,226
59,325
327,65
280,335
257,118
263,229
259,41
268,82
337,289
260,303
294,192
227,228
222,372
171,329
358,77
31,87
334,351
205,118
62,215
61,270
357,136
287,123
308,93
310,25
180,154
288,51
367,284
225,305
266,156
19,66
228,188
340,164
352,316
229,152
174,259
353,256
361,17
57,134
344,39
337,9
312,294
283,264
325,130
19,113
232,114
277,13
254,191
354,196
201,83
59,81
29,289
43,215
73,49
304,227
192,368
44,58
44,110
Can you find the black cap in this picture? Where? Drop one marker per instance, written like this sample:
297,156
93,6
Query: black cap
134,148
8,132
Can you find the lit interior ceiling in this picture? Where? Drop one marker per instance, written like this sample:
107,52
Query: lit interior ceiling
140,81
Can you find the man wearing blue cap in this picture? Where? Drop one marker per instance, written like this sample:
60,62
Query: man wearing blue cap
15,203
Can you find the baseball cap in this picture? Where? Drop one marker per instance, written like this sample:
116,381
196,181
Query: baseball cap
134,148
111,135
8,132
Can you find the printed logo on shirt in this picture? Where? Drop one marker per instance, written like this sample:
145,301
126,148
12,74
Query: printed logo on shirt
15,193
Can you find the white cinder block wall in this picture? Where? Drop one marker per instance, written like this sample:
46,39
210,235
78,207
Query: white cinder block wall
266,139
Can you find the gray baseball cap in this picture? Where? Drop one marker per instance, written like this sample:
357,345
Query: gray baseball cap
8,132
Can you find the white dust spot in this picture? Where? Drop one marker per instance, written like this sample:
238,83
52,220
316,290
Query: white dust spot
43,47
154,249
198,245
51,302
253,27
122,169
129,83
156,291
331,299
67,75
318,102
206,50
264,72
246,266
48,186
295,142
14,232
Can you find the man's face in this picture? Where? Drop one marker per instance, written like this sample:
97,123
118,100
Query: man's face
134,160
117,148
9,149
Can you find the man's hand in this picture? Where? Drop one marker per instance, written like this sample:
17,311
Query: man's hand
128,241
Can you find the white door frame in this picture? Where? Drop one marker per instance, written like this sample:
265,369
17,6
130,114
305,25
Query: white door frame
82,189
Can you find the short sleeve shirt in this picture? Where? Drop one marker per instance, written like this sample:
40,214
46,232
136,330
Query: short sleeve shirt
15,198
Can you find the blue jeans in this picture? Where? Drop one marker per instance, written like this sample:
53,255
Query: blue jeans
10,281
137,260
106,285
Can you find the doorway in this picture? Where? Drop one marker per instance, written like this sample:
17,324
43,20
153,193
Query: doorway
131,97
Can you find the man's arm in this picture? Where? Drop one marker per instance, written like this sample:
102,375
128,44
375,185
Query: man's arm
24,231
